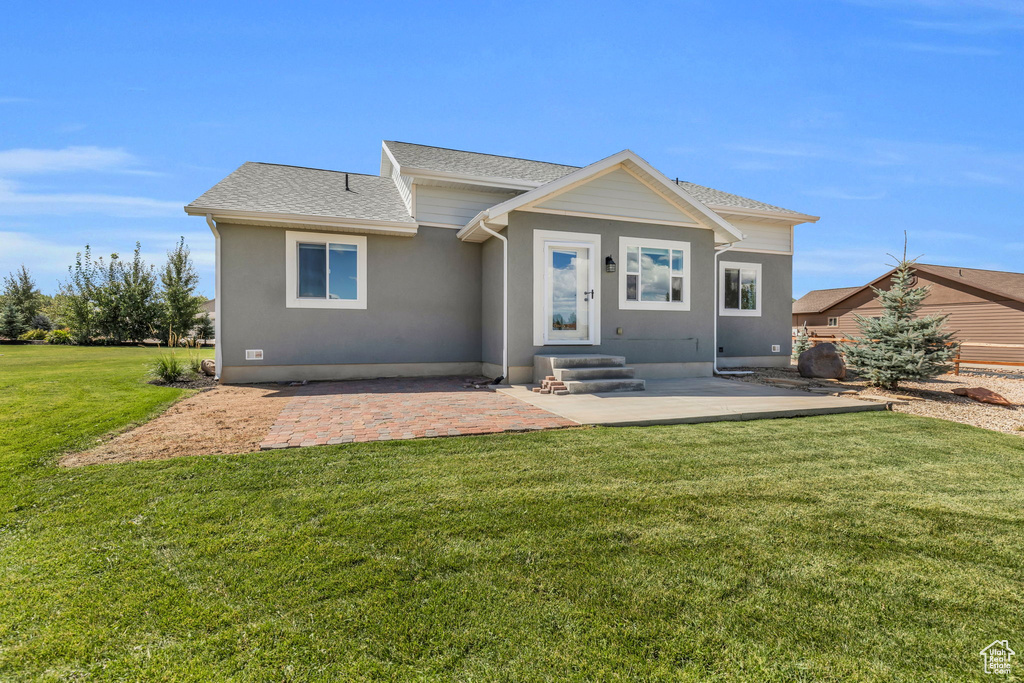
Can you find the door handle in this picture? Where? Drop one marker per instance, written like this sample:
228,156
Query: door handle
588,296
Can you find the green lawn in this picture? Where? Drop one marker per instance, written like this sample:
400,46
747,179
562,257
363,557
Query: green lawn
875,546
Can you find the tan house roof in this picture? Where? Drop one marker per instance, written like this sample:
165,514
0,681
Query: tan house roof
818,300
999,282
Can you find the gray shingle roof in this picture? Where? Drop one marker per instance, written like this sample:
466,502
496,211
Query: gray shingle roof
272,188
474,163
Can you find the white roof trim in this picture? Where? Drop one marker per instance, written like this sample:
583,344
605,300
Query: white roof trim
364,225
764,213
704,216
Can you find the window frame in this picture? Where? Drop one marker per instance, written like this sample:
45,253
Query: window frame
832,322
293,239
639,305
741,265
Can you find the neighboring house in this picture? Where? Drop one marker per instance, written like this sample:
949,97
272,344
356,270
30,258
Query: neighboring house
453,262
210,308
984,306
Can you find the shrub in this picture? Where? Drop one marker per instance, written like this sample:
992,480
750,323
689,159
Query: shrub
168,367
62,336
41,321
33,335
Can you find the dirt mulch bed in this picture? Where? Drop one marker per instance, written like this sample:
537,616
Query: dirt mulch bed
221,420
938,399
187,382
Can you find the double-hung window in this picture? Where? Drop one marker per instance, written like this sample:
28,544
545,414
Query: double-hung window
739,288
325,270
654,274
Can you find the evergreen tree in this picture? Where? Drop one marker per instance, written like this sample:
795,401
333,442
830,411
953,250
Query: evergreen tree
802,342
180,305
12,322
899,345
20,290
204,327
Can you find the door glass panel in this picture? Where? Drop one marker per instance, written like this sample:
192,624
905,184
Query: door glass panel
568,293
654,274
565,288
313,271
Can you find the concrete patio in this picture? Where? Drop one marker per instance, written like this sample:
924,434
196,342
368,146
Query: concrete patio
680,401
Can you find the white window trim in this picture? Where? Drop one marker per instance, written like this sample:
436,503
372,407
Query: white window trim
831,324
291,269
746,265
626,305
540,238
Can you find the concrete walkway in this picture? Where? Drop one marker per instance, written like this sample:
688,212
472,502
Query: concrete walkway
678,401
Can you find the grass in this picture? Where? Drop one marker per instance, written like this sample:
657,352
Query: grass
875,546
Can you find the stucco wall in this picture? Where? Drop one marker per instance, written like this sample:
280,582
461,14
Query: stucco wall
647,336
423,303
754,335
492,300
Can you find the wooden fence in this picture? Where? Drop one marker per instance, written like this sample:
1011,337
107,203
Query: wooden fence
835,339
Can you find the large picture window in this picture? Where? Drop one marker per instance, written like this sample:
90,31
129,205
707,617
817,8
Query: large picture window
325,270
654,274
739,288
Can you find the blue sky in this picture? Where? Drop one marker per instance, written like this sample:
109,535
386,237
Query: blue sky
878,115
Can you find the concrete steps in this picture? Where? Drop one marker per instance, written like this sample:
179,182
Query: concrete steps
589,374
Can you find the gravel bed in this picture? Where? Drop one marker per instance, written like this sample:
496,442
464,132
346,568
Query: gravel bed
939,399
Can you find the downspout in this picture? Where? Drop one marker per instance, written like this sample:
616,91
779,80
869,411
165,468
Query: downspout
504,323
218,349
719,252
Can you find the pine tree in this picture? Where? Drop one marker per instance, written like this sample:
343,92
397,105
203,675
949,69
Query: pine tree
20,290
899,345
802,342
12,322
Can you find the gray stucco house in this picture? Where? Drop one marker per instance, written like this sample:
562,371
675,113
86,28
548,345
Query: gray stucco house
453,262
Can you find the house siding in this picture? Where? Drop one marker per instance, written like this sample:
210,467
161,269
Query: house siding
753,336
974,316
617,193
453,206
423,305
648,337
765,236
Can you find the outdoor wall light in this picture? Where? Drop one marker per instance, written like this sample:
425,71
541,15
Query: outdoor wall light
609,264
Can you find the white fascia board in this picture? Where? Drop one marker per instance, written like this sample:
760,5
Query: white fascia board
482,181
792,218
285,219
390,158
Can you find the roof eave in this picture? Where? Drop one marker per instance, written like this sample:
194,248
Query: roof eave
397,228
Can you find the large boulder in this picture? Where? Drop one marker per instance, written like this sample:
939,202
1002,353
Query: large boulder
822,361
209,368
983,395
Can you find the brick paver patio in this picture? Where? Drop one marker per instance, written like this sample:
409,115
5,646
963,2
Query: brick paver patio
383,409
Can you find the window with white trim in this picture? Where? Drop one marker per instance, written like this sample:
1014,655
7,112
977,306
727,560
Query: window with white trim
739,288
654,274
833,322
325,270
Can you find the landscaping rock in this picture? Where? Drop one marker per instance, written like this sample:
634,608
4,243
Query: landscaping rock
982,395
209,368
822,361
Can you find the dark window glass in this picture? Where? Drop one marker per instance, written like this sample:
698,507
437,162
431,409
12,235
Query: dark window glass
313,271
732,287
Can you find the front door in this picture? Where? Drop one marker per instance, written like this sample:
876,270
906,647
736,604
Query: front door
569,293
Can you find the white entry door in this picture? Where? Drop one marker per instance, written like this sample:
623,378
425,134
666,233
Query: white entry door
569,294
